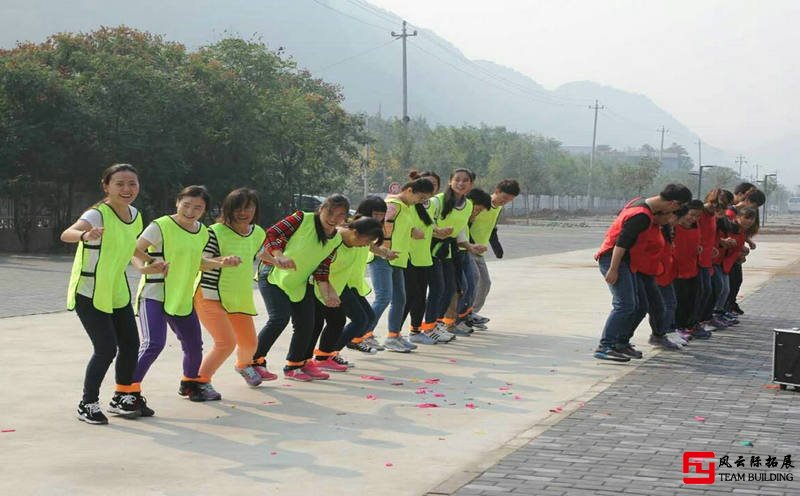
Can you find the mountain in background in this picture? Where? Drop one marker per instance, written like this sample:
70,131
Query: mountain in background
348,42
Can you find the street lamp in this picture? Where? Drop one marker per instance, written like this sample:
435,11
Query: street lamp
766,195
699,175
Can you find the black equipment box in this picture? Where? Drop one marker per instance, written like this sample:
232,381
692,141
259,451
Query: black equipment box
786,357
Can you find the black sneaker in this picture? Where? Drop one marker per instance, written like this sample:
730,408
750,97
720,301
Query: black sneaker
362,347
735,308
144,410
663,342
123,404
91,413
609,353
629,350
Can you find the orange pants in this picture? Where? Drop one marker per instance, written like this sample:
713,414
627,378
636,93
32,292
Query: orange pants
228,330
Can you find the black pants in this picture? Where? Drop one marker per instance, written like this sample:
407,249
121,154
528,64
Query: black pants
112,335
687,291
416,293
736,284
280,309
329,323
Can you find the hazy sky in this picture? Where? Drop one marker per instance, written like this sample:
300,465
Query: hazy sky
726,68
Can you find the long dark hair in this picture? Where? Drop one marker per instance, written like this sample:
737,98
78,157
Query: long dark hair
422,213
367,226
105,177
450,196
236,199
330,203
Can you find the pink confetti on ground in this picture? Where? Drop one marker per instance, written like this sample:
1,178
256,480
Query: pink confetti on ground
8,430
372,397
427,405
268,403
700,419
287,385
771,386
372,377
421,391
397,384
389,464
452,360
504,388
431,381
273,453
557,409
517,397
439,395
471,406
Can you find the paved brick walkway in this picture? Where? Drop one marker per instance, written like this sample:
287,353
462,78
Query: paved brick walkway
630,438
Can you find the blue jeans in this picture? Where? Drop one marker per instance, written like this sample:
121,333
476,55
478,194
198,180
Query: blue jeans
721,285
390,288
626,307
469,277
665,321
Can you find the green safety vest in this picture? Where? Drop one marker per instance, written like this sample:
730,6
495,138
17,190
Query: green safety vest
457,219
420,251
116,249
358,277
481,228
183,251
307,252
348,264
235,285
401,234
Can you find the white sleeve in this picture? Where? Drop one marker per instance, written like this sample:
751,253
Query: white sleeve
462,236
93,217
152,233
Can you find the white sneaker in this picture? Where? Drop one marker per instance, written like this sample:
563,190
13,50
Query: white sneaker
708,327
440,334
677,339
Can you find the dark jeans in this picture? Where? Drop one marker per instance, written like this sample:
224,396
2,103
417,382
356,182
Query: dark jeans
416,292
736,278
442,287
704,305
468,276
663,322
329,323
280,309
687,294
112,335
627,309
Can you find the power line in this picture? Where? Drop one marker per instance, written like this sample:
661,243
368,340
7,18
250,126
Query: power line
517,92
382,28
373,10
355,55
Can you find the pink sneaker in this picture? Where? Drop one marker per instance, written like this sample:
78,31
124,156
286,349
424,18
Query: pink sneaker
264,373
297,375
312,371
330,365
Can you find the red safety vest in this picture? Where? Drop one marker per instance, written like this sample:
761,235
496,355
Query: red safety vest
668,261
707,225
686,258
732,254
645,255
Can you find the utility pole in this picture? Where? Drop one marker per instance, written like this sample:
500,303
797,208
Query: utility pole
740,160
404,34
756,172
596,107
661,150
699,153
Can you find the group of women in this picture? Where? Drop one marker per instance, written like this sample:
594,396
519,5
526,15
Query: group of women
423,251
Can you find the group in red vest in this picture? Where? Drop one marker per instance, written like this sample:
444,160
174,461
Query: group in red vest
676,260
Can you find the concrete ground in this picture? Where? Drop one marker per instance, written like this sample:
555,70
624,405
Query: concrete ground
353,433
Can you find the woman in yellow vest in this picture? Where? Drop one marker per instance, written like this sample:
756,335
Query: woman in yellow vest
165,299
453,210
466,270
420,262
347,279
480,230
224,300
298,247
387,275
100,294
